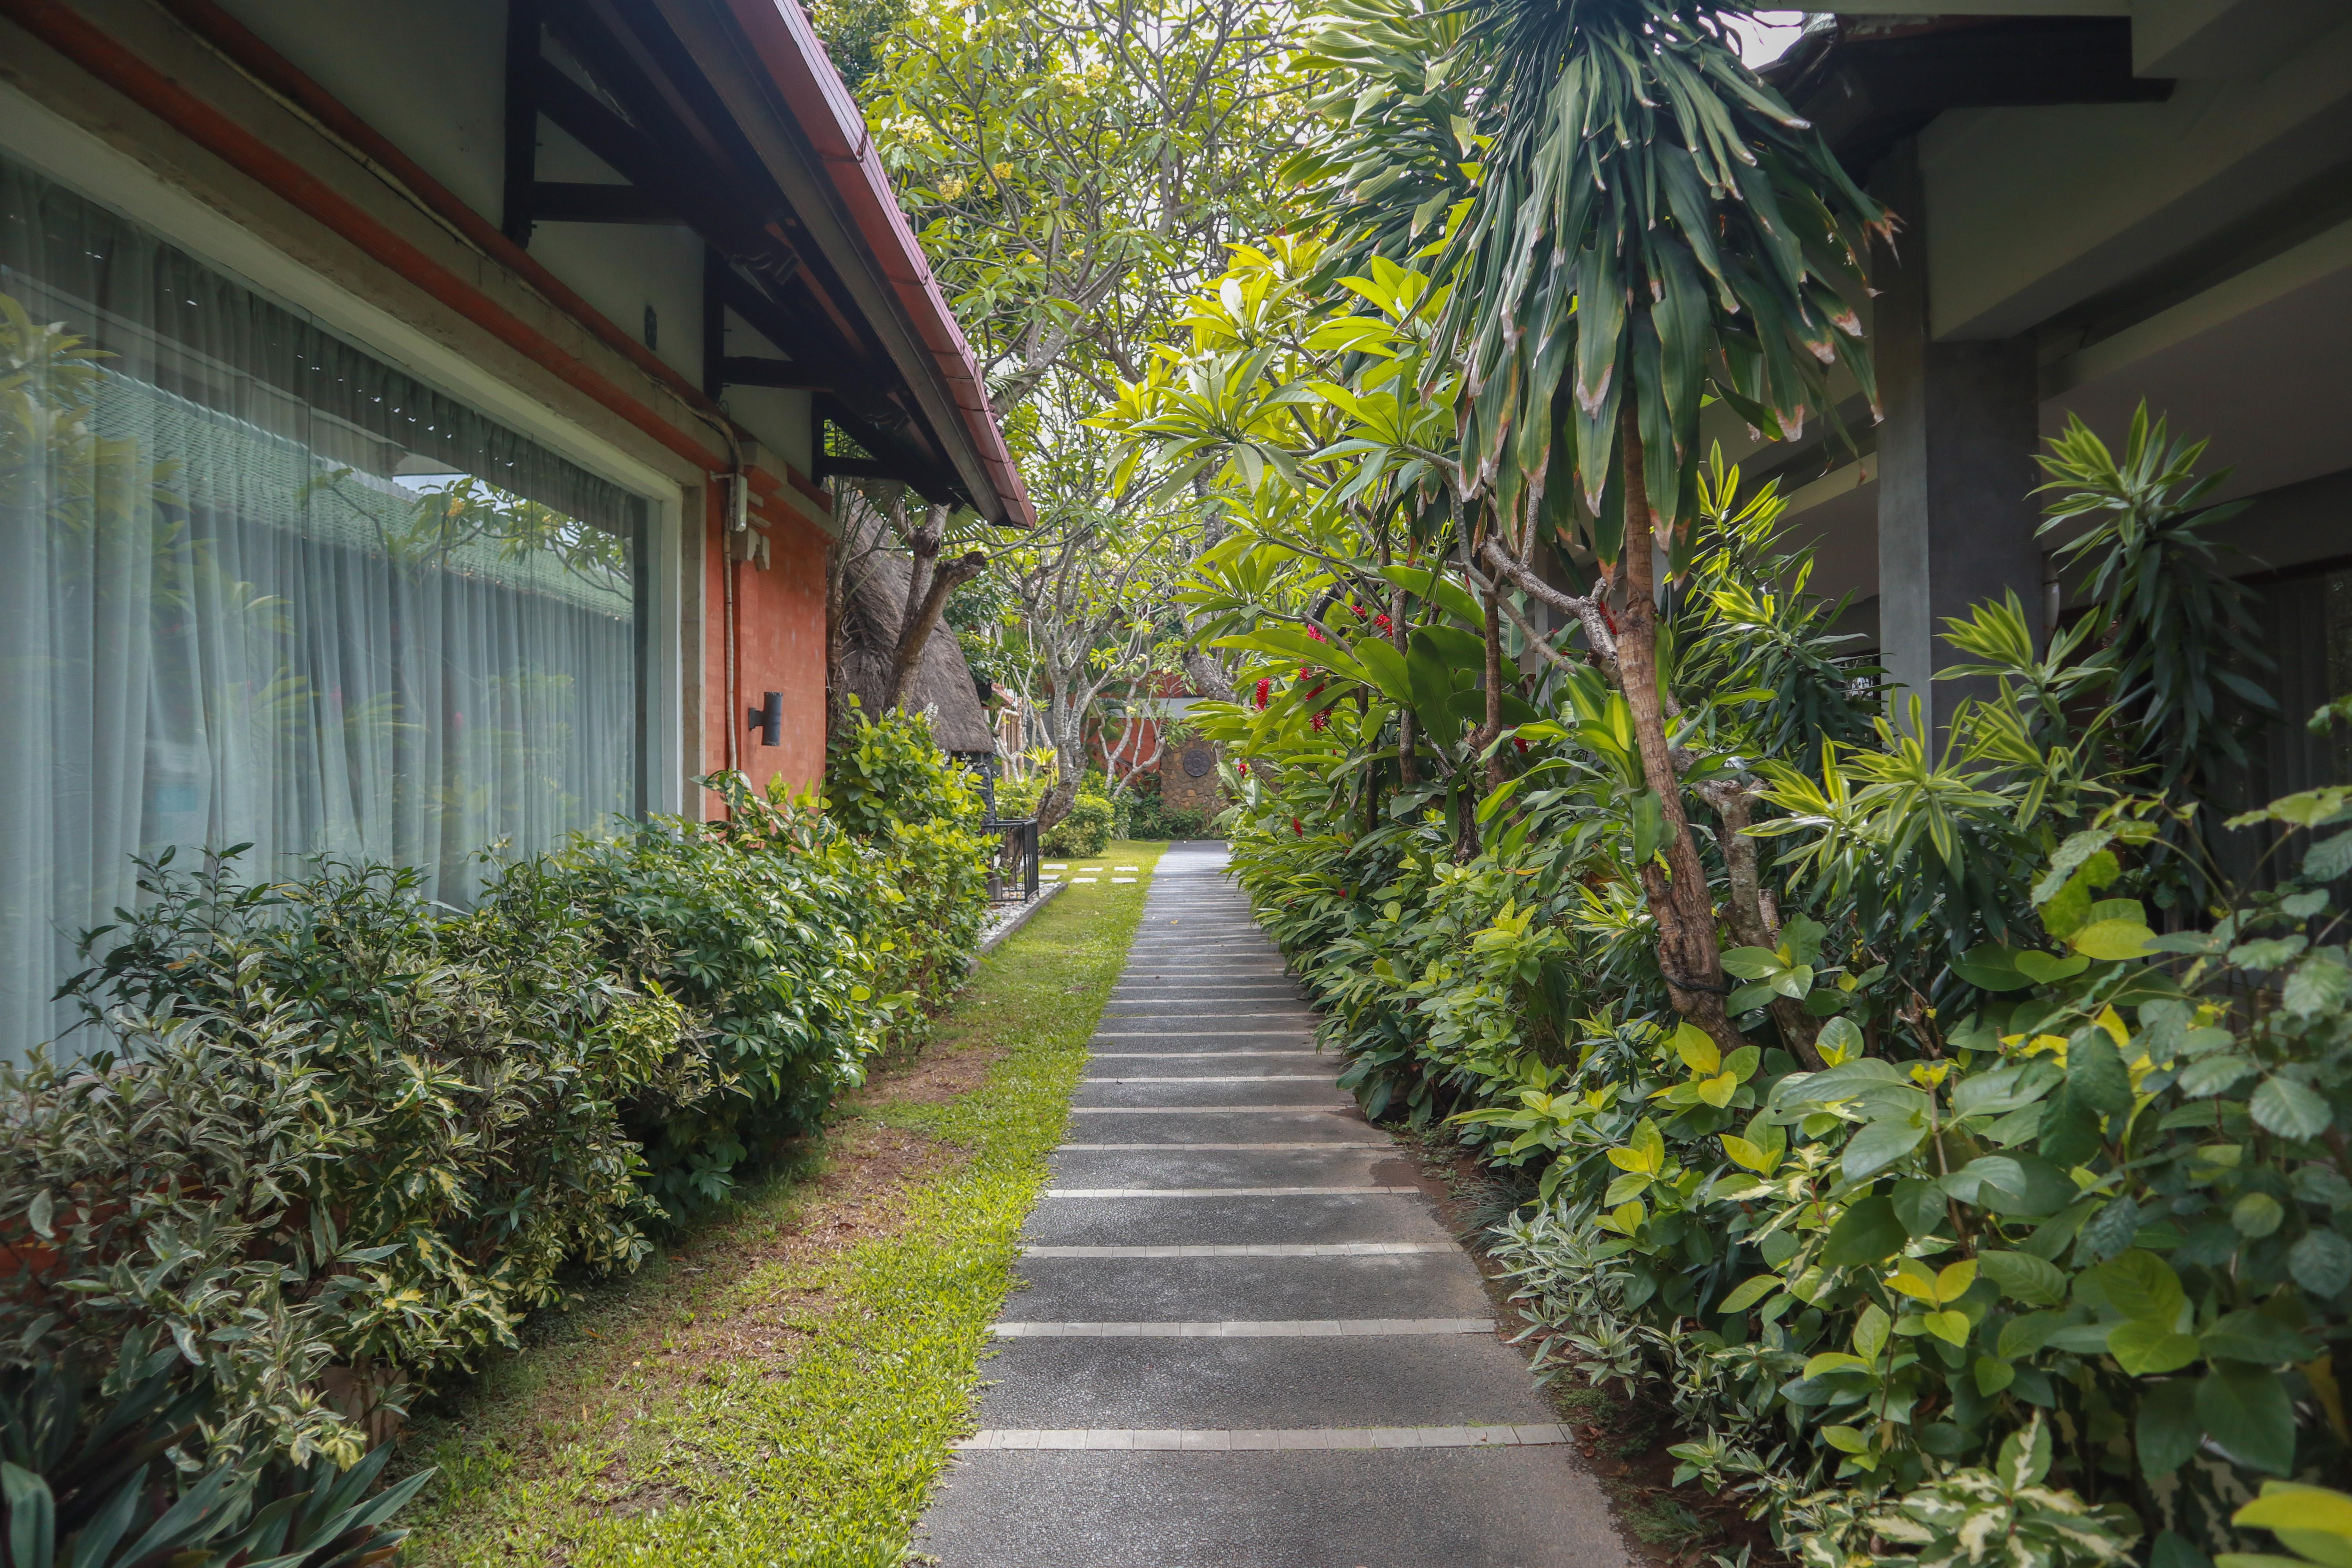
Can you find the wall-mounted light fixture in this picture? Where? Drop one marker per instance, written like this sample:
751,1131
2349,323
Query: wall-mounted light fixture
768,717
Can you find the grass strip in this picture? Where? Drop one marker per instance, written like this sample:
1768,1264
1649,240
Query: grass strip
825,1457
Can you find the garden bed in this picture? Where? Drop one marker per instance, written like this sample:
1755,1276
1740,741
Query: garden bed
781,1385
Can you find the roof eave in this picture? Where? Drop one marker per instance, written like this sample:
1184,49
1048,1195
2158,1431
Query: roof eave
811,93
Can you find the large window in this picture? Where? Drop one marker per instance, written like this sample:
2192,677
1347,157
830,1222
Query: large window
256,587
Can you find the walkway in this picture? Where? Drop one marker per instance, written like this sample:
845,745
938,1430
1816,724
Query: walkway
1246,1340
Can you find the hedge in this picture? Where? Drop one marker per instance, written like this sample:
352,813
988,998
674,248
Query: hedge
328,1140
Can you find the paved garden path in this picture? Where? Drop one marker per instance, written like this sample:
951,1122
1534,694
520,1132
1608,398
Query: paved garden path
1246,1340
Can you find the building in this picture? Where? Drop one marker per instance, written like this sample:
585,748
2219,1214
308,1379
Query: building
416,422
2102,201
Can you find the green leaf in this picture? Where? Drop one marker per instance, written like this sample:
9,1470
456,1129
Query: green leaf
1919,1205
1841,1040
2096,1075
1450,596
2328,859
1387,668
1751,963
2070,1130
1747,1293
1867,1233
1870,1332
1951,1326
1991,1376
2112,940
1697,1049
2045,969
2167,1430
2247,1412
1990,966
2036,1281
1649,815
2256,1214
2147,1349
2288,1510
2322,1263
2071,858
2257,1337
2142,1286
1880,1144
2291,1109
2319,985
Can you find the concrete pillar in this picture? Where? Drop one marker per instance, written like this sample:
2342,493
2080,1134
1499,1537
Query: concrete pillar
1956,471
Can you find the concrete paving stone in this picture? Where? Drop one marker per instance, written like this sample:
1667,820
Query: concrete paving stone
1231,1168
1201,1035
1241,1329
1165,1397
1523,1507
1263,1439
1415,1285
1305,1124
1242,1007
1413,1379
1237,1222
1281,1053
1305,1091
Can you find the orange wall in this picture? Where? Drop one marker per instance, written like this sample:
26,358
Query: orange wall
779,628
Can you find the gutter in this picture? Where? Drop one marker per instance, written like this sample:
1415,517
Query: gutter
825,113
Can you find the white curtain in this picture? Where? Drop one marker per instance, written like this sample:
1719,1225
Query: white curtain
256,587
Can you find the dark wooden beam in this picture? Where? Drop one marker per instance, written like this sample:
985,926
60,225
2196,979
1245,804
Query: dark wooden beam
522,68
714,319
791,376
856,468
574,201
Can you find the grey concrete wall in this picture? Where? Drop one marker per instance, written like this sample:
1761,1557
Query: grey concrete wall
1955,518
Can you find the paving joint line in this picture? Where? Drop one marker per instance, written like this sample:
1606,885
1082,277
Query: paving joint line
1259,1440
1216,1191
1249,1249
1293,1328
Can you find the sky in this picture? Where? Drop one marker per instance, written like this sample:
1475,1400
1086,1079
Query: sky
1772,31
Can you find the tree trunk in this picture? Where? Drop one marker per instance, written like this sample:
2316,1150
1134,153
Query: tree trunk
929,584
1491,733
1678,896
836,611
1748,911
1408,730
1067,723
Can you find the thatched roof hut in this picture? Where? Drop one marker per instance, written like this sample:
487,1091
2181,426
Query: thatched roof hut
942,683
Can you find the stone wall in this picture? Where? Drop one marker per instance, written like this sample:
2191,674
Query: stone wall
1188,777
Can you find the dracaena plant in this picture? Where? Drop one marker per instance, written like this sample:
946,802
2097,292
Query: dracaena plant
1652,224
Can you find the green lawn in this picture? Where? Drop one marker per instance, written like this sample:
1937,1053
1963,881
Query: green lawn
782,1387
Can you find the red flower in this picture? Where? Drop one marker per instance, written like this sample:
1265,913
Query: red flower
1316,632
1522,745
1264,691
1296,830
1381,624
1323,719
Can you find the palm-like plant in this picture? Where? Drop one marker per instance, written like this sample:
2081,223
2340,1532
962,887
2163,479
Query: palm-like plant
1653,224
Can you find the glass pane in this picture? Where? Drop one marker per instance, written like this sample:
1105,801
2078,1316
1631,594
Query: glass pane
256,586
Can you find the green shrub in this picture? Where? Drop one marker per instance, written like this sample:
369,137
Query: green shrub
1154,821
93,1484
1086,831
2012,1219
329,1139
